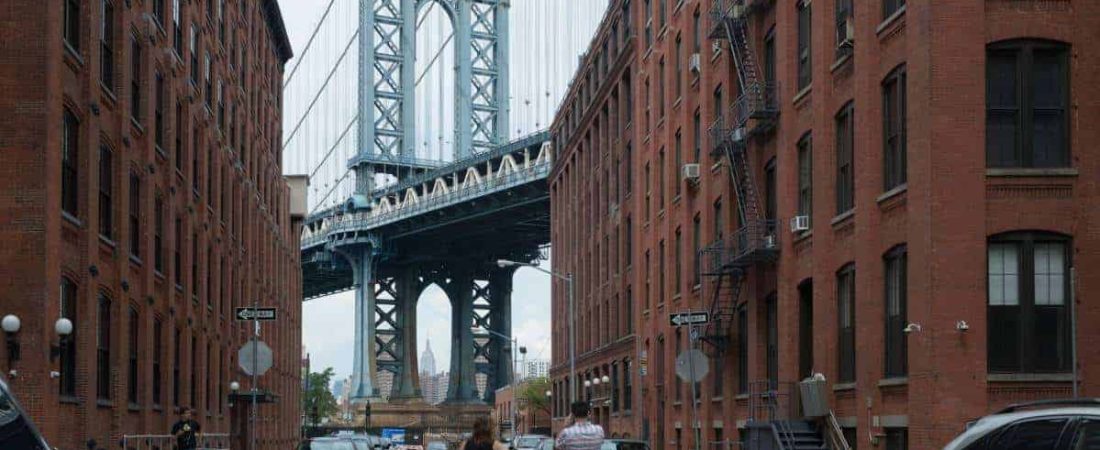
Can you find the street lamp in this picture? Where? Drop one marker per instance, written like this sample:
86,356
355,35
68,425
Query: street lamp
568,277
11,325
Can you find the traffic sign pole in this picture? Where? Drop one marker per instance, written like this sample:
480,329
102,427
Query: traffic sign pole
693,337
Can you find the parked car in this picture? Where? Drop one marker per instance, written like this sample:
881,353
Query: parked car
333,443
437,445
16,428
371,442
624,444
546,444
526,441
1045,425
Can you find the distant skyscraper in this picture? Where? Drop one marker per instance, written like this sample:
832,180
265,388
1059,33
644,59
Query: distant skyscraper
427,360
337,388
536,369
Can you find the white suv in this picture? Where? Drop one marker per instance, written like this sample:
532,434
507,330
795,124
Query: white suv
1043,425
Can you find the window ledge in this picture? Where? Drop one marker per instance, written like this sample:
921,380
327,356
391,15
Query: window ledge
895,381
134,407
1031,172
843,217
844,386
716,399
74,54
802,236
741,397
893,19
101,403
896,191
1029,377
108,242
840,62
805,92
68,399
71,219
135,260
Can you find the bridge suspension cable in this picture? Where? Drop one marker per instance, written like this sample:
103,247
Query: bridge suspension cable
321,202
324,85
305,49
334,145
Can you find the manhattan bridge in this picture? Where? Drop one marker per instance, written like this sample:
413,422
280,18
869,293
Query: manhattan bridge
404,115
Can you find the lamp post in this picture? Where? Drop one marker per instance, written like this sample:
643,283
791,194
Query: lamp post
568,277
11,325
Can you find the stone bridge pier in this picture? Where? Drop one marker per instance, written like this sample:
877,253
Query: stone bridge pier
386,296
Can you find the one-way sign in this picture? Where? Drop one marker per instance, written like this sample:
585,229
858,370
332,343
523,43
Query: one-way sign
688,318
250,313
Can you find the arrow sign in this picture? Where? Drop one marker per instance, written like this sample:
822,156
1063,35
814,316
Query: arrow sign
250,313
692,318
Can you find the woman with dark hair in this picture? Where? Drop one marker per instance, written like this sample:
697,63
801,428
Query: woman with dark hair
482,438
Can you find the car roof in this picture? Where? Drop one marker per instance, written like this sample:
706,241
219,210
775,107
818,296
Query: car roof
989,423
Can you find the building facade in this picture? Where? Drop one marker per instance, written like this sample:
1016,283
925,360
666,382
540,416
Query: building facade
595,219
142,199
905,214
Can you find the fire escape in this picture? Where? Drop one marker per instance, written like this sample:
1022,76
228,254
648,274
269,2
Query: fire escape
753,113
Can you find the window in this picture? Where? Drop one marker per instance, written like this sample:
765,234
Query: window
661,88
661,175
679,249
696,250
158,11
697,38
805,176
897,439
718,224
629,310
805,75
103,349
195,161
843,15
158,234
194,54
663,4
193,386
769,68
846,320
719,107
158,113
176,367
67,383
106,46
132,368
628,396
679,388
770,194
661,272
629,244
106,191
889,7
893,118
195,266
158,348
647,192
178,132
680,66
135,215
845,176
1027,313
135,78
178,251
614,388
207,88
177,29
648,23
648,277
71,30
1031,434
851,436
1027,90
678,161
805,328
70,143
771,314
697,131
1088,435
742,349
896,264
628,176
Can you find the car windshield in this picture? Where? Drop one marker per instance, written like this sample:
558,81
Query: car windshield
331,445
620,445
527,442
436,445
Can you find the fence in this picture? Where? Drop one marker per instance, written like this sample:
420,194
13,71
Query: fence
207,441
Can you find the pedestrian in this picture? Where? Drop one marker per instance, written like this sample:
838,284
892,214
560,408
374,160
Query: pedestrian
186,431
482,438
582,435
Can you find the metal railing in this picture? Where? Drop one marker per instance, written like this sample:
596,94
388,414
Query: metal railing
834,434
758,102
363,221
757,241
205,441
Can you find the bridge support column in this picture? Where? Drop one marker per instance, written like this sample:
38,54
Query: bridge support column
407,382
500,321
363,362
462,387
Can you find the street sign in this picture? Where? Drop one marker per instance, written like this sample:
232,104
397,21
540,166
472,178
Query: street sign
255,313
692,366
688,318
255,358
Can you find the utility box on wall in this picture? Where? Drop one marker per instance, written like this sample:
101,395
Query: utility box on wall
299,186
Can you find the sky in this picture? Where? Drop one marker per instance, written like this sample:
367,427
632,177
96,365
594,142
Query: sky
548,37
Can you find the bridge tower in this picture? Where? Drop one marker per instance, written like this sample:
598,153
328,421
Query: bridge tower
386,294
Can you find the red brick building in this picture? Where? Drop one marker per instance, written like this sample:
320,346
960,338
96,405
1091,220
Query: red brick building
141,197
898,197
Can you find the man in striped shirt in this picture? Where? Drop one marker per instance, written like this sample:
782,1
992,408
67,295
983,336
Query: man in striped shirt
582,435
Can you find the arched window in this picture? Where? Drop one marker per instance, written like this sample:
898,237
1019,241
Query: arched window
1026,303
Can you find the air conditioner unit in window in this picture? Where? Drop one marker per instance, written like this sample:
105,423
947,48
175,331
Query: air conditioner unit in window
739,134
737,11
769,241
690,172
849,33
695,63
800,224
